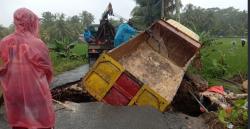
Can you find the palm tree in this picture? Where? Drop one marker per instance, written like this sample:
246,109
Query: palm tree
147,11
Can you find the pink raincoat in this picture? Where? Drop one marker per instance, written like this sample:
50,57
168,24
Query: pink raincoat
26,74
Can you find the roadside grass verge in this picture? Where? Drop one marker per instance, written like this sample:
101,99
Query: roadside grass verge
65,64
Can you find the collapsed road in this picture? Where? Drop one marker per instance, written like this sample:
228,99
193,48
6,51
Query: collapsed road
76,107
97,115
102,116
71,76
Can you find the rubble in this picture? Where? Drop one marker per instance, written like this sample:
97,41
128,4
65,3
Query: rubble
216,98
197,81
212,121
221,98
184,102
73,93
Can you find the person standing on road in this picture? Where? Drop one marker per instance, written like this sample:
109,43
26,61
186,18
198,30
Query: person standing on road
25,75
88,37
243,42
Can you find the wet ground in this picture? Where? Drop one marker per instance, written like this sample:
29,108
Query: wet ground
70,76
96,115
101,116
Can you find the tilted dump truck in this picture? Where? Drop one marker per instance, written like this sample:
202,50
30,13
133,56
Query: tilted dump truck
147,70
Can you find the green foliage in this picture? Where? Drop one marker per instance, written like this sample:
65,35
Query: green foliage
57,27
61,34
147,11
238,116
206,39
62,48
61,64
116,23
219,22
222,59
4,31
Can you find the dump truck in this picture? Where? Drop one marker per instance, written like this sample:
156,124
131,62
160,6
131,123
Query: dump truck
145,71
103,36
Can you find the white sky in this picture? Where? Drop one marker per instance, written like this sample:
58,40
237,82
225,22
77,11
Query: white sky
96,7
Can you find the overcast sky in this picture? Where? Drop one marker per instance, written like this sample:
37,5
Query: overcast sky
96,7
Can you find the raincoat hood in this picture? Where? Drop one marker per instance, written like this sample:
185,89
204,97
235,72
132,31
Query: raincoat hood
26,21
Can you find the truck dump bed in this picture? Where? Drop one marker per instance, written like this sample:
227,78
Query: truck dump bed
153,65
150,67
159,57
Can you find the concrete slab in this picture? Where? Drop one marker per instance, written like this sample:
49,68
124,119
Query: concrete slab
102,116
70,76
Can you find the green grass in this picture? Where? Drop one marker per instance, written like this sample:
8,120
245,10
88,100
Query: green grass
234,58
80,49
64,64
223,60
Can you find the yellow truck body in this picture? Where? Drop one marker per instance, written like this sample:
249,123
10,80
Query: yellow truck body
157,58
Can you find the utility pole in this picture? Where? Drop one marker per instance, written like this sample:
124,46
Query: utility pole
177,2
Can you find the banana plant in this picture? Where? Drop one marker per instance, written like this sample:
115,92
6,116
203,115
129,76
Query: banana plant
63,47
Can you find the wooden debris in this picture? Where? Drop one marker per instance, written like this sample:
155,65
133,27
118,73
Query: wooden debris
229,81
233,96
245,86
216,98
198,101
222,100
75,87
65,105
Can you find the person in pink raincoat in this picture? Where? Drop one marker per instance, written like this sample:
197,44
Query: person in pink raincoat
25,75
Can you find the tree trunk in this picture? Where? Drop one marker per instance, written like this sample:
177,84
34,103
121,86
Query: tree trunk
162,8
177,2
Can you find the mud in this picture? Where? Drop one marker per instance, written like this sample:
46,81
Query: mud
212,121
184,102
73,93
155,70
